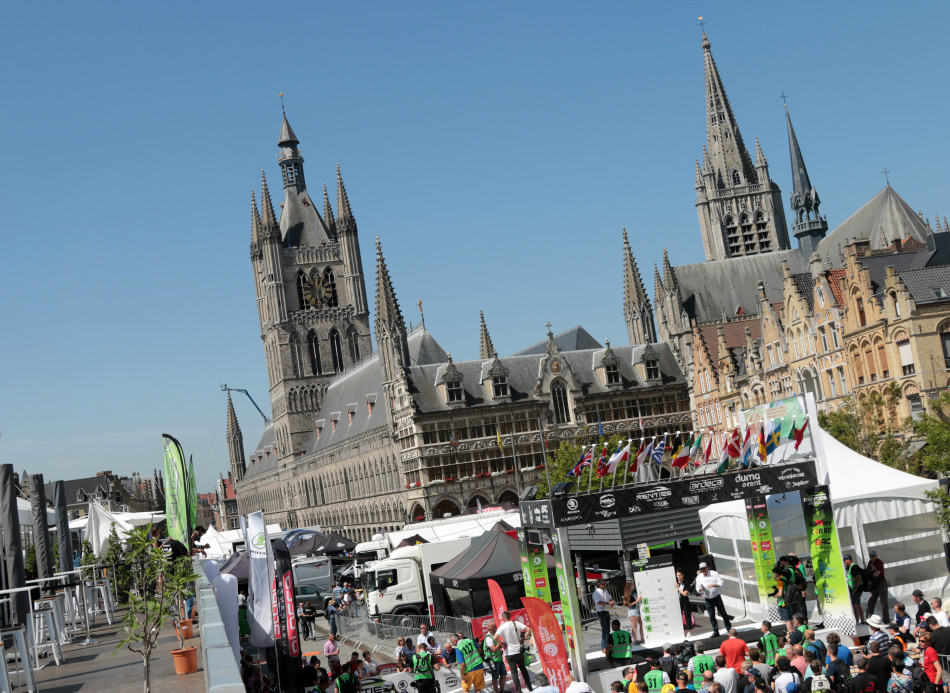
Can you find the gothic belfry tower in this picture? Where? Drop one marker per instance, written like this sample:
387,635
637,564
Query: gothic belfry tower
311,296
810,227
740,208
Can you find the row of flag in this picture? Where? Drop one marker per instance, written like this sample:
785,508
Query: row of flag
761,440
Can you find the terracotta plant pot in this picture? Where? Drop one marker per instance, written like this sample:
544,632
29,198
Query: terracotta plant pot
186,629
186,661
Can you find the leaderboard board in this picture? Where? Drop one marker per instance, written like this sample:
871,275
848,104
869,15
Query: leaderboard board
660,608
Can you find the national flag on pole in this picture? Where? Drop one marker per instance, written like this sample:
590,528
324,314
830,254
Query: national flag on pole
600,427
602,463
763,453
746,454
643,454
498,438
658,450
708,453
640,418
621,454
732,448
774,438
798,434
681,457
455,441
584,461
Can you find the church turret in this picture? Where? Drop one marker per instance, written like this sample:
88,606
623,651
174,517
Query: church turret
328,212
350,247
392,340
290,160
272,259
810,227
486,350
740,212
637,310
235,444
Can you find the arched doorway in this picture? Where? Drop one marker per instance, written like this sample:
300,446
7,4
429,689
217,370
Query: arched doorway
417,514
508,496
474,501
445,508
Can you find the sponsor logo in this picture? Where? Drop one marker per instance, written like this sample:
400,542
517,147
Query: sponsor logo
537,560
634,509
661,504
452,682
791,473
258,540
701,485
402,685
572,504
551,649
607,501
766,546
690,500
655,493
540,583
749,478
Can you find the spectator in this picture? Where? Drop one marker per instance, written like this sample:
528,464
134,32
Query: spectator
493,653
404,648
338,591
631,600
242,598
939,636
748,676
817,681
699,664
402,663
726,677
574,686
815,645
423,637
836,648
629,681
668,662
878,665
797,635
708,682
855,578
768,643
708,584
348,681
618,645
877,584
735,650
899,682
302,622
544,686
309,616
936,608
896,638
838,671
809,658
602,604
797,660
448,653
511,633
433,647
923,608
789,680
331,650
930,661
758,661
878,631
315,661
615,687
308,674
901,617
331,615
683,682
370,665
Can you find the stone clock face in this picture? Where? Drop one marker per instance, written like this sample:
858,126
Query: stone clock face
317,292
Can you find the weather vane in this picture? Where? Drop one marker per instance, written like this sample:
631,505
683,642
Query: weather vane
281,95
784,97
422,315
702,24
886,177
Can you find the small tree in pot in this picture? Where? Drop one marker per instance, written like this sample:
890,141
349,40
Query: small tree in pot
178,583
148,602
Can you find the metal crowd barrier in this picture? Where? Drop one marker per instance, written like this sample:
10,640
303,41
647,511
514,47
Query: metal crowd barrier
388,629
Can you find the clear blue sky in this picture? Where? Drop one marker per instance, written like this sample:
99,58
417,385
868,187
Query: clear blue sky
496,148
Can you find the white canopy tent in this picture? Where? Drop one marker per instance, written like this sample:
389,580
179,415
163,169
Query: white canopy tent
875,507
223,544
98,523
26,515
455,527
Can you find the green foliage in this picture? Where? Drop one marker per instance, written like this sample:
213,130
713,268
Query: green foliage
148,604
179,581
933,428
562,460
870,427
87,560
116,559
941,500
30,566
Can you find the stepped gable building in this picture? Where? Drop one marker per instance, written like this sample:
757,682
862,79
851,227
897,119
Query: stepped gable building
365,441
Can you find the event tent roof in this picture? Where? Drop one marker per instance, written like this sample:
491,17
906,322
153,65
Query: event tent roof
412,541
456,527
26,516
335,543
490,555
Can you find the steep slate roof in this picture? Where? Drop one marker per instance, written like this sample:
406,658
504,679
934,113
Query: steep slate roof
734,333
300,223
568,340
90,485
265,450
925,285
709,289
888,212
806,287
425,349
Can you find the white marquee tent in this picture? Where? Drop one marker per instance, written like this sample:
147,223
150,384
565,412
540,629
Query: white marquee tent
875,507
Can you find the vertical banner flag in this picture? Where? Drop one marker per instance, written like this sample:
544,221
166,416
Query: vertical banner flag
548,640
498,603
763,553
192,497
288,646
831,584
176,490
260,614
570,609
534,569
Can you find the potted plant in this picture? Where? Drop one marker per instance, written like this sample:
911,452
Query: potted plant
178,583
148,603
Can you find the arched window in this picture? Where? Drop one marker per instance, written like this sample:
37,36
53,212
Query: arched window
562,410
732,234
295,357
354,343
301,283
897,306
748,239
736,178
862,318
330,281
313,349
336,351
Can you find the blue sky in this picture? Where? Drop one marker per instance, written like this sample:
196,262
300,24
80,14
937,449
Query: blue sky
496,148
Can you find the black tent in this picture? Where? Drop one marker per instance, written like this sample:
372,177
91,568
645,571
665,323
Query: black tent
335,544
304,543
412,541
460,587
236,565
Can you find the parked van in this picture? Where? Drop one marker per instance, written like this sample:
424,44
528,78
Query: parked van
314,571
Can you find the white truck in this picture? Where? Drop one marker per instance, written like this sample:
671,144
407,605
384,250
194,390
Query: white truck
399,584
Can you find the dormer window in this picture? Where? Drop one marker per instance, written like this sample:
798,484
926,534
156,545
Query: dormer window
612,372
562,410
651,363
452,380
454,391
499,386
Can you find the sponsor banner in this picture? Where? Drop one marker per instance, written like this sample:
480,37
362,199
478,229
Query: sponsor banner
479,629
548,641
260,610
570,612
176,491
447,677
498,603
660,608
674,494
534,568
763,552
831,584
288,639
535,513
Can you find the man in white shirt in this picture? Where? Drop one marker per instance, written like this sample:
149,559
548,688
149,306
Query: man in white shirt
602,604
708,584
509,632
423,637
577,686
725,676
936,606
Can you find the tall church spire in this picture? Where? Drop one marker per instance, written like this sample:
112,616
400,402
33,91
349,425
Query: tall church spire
235,443
637,310
739,207
342,201
269,219
255,226
486,350
810,227
290,160
328,211
391,337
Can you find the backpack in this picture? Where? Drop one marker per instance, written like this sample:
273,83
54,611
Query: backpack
842,675
820,682
800,581
922,683
820,650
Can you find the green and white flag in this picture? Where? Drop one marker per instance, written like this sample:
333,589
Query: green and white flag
176,490
192,496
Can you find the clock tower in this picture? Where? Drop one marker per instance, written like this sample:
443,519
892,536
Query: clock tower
311,296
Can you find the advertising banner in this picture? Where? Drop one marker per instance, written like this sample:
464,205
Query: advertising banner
534,568
570,604
479,623
674,494
260,611
288,644
498,603
831,584
660,608
176,490
763,553
548,641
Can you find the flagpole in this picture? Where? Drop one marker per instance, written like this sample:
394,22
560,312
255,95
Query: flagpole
514,451
455,448
590,469
544,448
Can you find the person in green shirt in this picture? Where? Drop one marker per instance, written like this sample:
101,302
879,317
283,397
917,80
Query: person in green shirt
656,678
424,667
471,665
348,681
618,645
700,664
768,643
493,654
